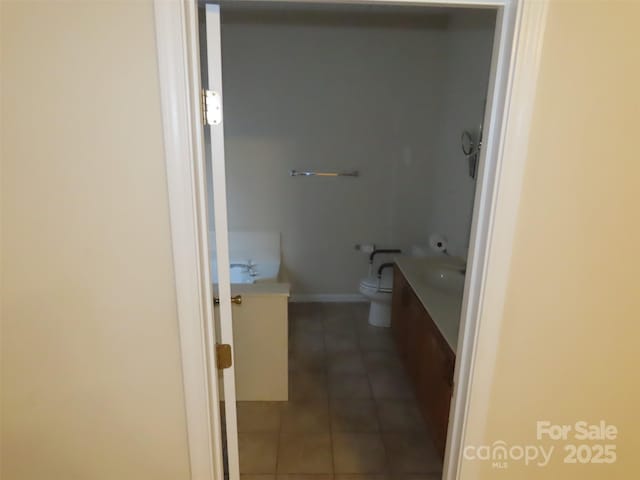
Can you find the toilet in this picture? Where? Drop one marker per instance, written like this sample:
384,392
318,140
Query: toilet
378,292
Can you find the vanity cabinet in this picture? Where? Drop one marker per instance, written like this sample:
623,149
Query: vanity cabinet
428,359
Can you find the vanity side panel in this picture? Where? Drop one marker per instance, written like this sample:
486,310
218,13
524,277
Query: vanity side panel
399,305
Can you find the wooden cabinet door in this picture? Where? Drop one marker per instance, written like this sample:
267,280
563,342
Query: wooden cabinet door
432,373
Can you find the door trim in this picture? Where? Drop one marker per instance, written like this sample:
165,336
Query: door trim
512,88
179,74
515,64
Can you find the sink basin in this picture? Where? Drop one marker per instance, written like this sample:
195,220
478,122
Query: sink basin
447,279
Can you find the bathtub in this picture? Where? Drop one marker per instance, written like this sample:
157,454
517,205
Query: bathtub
260,323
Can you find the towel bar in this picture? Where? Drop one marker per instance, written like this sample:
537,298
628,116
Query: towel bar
296,173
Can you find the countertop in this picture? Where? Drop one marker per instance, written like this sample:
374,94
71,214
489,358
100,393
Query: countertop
443,307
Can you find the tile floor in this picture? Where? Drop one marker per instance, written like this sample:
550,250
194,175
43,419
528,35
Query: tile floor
351,414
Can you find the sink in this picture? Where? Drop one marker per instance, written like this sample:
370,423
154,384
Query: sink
447,279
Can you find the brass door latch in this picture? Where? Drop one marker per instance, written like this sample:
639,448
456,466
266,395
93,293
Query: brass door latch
236,300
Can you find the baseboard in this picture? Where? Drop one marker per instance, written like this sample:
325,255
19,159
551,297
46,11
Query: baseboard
327,297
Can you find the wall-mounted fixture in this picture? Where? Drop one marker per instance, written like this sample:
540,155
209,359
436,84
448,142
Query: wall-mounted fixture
471,144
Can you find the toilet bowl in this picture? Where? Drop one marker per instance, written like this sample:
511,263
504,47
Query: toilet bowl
378,292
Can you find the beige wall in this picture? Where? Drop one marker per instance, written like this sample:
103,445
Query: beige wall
91,382
571,327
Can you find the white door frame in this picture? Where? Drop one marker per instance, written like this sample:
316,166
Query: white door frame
512,87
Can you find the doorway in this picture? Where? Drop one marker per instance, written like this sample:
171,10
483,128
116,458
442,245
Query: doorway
512,82
350,136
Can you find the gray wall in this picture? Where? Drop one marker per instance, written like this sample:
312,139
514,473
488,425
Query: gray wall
387,101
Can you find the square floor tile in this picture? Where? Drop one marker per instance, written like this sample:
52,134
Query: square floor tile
411,453
306,385
305,341
305,453
339,323
258,452
310,361
362,322
391,385
364,327
306,324
358,453
259,416
377,361
349,386
346,362
340,342
353,416
376,340
304,310
359,310
339,315
400,416
305,416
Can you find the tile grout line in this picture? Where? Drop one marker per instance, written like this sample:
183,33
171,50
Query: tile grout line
285,404
329,403
290,317
387,469
319,318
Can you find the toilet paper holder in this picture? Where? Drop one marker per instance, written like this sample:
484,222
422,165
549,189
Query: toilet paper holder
438,243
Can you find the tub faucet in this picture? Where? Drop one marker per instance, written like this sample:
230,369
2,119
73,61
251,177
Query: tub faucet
248,267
